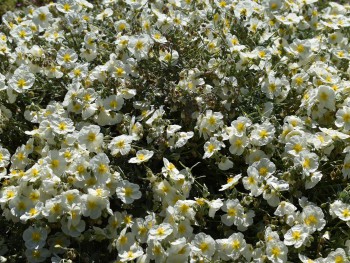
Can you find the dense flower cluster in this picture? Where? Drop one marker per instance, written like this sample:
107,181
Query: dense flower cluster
177,130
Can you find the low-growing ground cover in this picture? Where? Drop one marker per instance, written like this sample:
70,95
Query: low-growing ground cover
175,131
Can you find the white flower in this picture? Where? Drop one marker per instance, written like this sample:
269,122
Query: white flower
290,19
135,129
225,163
296,236
336,256
114,222
125,240
233,41
136,4
233,246
285,208
234,211
265,167
91,138
212,121
272,188
67,6
276,251
178,251
113,102
134,252
270,235
341,210
88,54
66,57
56,161
2,82
35,237
262,134
33,212
92,205
326,97
156,252
343,118
308,161
183,137
300,48
312,179
185,208
53,208
71,198
104,14
238,144
139,46
128,192
171,130
253,182
164,190
204,244
73,221
90,40
231,182
100,167
58,243
157,114
295,145
299,81
79,71
20,158
73,230
4,157
346,166
8,193
255,155
21,34
169,58
141,229
62,125
141,156
321,140
19,206
42,17
119,69
305,259
313,218
212,147
120,144
184,228
34,173
272,86
121,25
160,232
159,38
37,255
22,79
170,169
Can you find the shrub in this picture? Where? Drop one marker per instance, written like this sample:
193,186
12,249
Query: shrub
175,131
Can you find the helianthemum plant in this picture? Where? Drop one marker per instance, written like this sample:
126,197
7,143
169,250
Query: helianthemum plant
176,131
